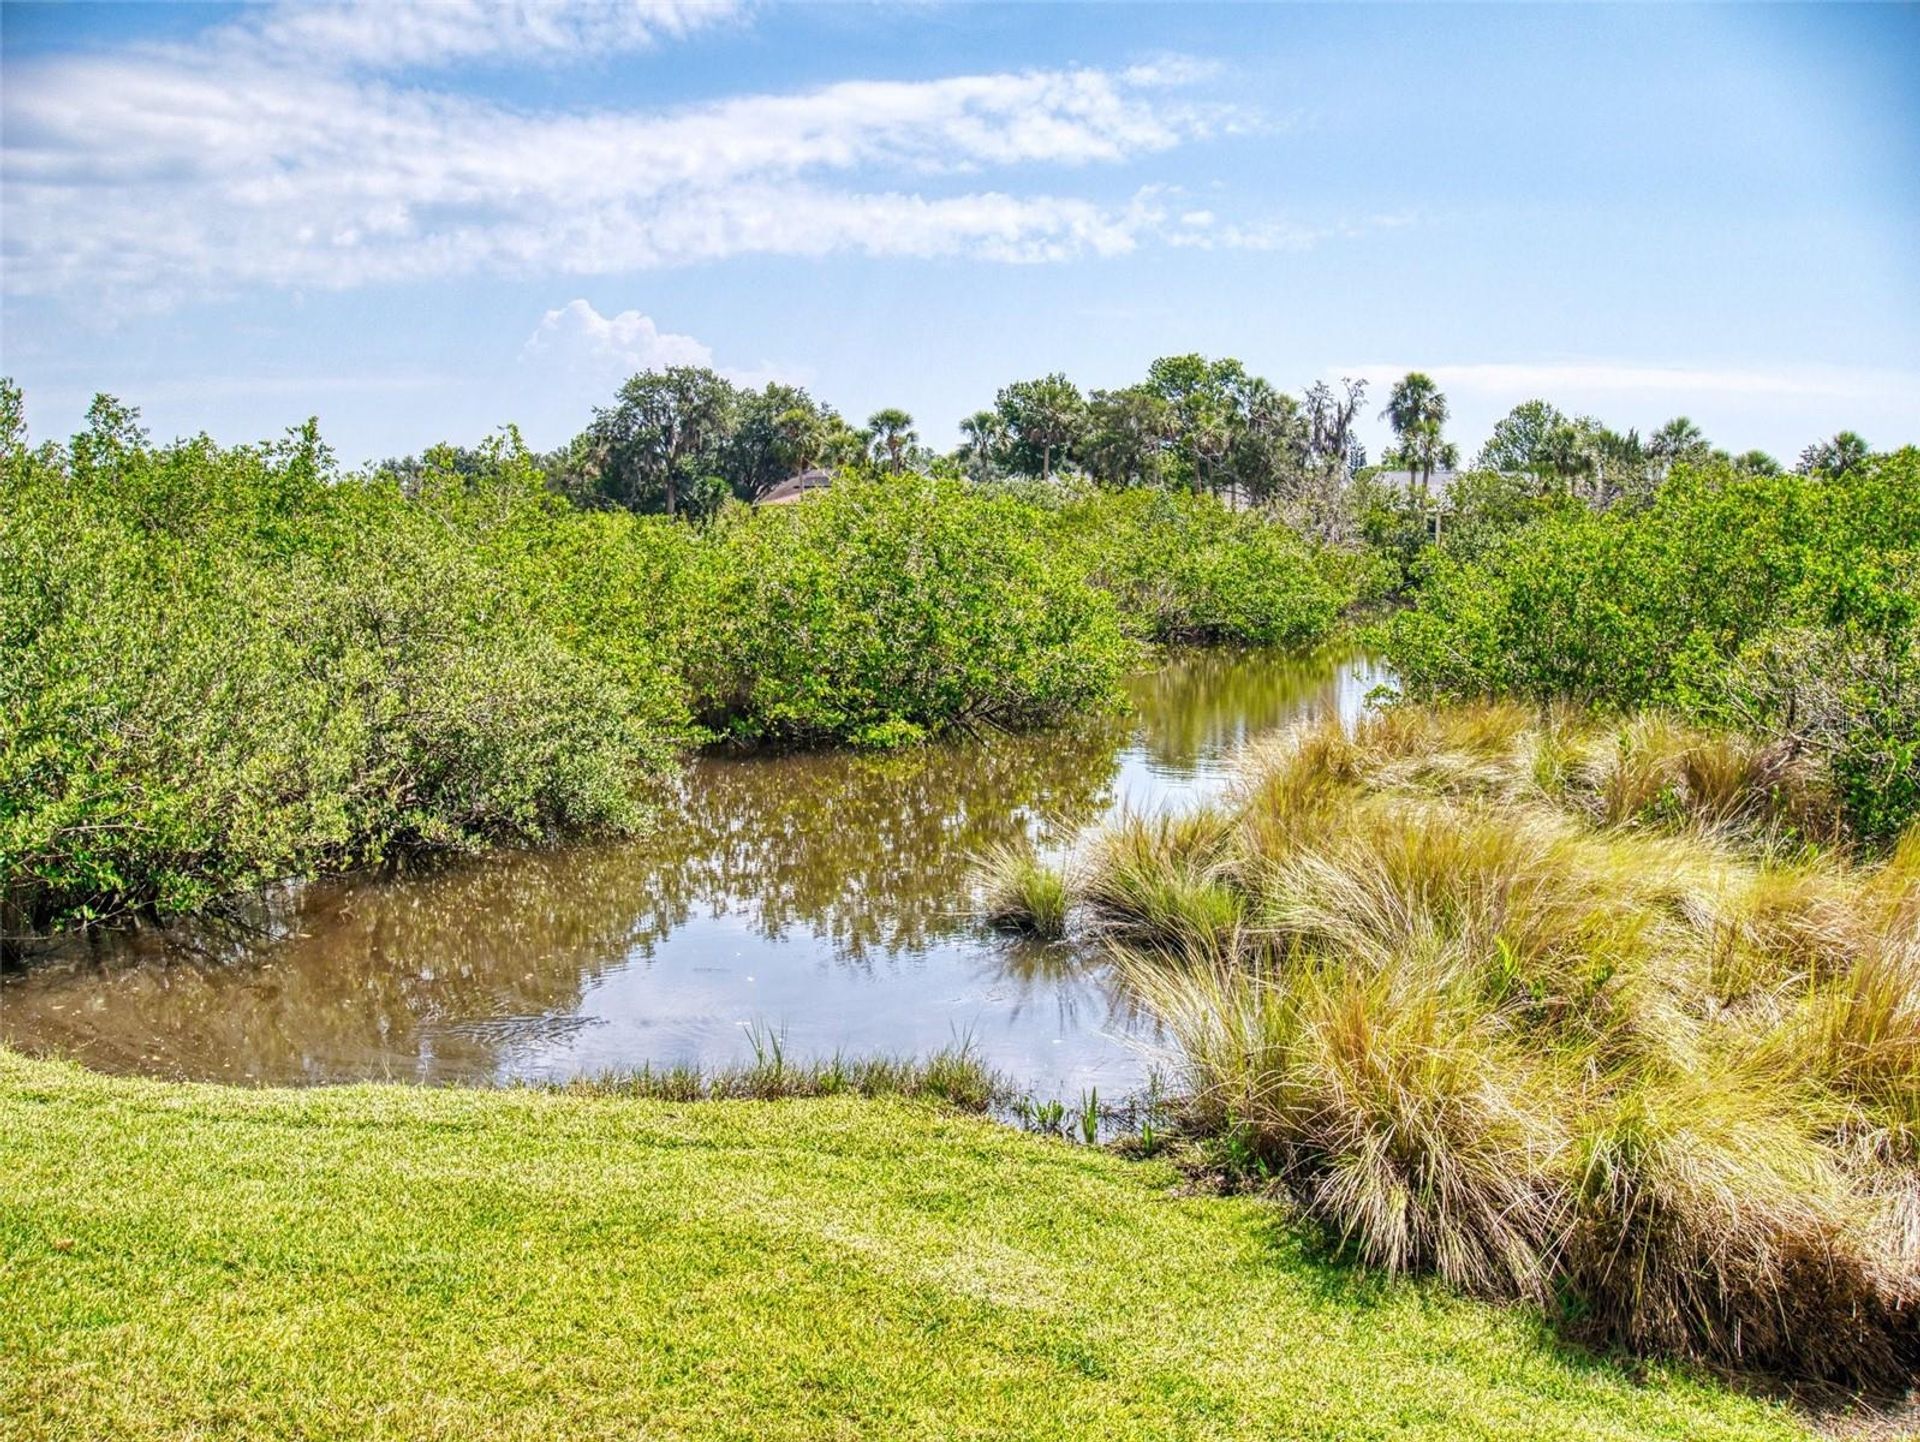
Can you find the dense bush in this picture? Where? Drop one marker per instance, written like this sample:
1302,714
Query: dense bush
890,606
1185,568
223,666
1787,603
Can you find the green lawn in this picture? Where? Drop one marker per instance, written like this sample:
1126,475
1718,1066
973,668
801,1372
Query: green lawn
378,1261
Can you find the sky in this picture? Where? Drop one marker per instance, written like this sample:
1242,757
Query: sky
423,222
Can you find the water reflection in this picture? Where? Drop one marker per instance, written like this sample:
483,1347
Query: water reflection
820,894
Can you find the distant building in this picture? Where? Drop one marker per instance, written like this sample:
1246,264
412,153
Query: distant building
1439,485
796,486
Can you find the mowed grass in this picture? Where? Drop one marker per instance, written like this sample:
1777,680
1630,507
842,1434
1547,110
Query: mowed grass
380,1261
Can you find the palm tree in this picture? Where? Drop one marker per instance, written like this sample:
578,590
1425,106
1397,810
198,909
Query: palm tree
985,434
801,437
1678,440
1046,416
892,432
1835,457
1564,454
1417,411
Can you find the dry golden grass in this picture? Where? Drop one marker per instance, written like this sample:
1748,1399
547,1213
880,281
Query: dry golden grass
1560,1011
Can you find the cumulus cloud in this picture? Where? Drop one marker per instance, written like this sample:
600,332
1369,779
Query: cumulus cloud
577,339
293,161
630,340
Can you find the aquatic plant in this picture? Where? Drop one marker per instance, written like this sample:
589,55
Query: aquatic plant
1089,1116
1048,1117
953,1076
1021,893
1157,881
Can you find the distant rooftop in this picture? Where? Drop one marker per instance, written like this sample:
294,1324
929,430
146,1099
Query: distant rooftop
1409,481
796,486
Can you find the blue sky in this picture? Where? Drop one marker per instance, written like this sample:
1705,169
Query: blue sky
423,222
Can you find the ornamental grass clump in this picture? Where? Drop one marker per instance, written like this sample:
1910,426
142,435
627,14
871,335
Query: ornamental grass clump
1543,1006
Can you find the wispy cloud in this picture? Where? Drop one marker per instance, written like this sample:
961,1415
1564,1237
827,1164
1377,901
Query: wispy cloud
1203,230
390,35
290,162
1550,379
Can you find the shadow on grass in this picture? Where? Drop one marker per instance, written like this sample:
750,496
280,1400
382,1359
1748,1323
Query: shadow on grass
1323,1266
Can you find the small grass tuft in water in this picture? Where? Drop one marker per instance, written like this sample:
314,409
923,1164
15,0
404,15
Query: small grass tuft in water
1159,882
953,1076
1021,893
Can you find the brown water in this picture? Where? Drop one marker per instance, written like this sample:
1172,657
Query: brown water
820,896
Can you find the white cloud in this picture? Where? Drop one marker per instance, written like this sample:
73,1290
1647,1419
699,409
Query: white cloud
576,338
630,340
158,174
393,35
1283,235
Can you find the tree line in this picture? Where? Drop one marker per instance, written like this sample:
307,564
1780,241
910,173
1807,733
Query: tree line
683,440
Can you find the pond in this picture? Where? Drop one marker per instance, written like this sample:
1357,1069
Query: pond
821,897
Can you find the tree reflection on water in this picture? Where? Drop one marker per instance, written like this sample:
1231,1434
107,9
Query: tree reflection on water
842,876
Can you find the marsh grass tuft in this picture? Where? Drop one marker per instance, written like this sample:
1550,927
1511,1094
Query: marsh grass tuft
1556,1010
1021,893
1159,881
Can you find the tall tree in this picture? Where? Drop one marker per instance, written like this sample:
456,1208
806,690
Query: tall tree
1518,443
1128,433
660,437
1679,440
1564,455
1417,411
1269,449
984,436
1330,438
1334,453
892,435
776,432
1205,400
1043,419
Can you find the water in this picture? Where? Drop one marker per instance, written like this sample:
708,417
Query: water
820,896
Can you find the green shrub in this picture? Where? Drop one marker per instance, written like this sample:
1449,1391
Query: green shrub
1783,603
891,606
226,667
1185,568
